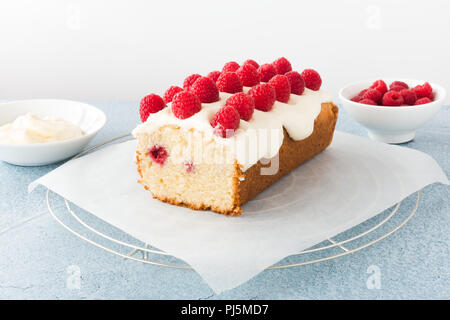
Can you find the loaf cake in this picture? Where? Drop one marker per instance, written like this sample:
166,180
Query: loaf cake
222,139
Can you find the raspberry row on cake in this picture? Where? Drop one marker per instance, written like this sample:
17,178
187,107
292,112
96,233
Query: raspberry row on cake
201,144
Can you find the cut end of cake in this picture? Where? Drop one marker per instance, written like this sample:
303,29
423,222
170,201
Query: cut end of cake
188,169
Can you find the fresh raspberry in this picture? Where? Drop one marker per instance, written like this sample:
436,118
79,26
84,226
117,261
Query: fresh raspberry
312,79
159,154
368,101
170,93
189,81
282,65
409,96
225,121
372,94
214,75
266,72
396,88
264,95
150,104
398,84
230,67
392,98
424,91
282,87
380,85
252,62
229,82
248,74
422,101
296,81
185,104
243,103
356,98
359,96
361,93
205,89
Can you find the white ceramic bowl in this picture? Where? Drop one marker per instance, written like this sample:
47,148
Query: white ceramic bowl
90,119
391,124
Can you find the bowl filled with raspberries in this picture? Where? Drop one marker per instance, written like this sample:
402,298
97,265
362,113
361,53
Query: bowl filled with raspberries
392,109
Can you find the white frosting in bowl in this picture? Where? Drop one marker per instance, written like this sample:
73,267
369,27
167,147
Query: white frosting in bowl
30,128
259,138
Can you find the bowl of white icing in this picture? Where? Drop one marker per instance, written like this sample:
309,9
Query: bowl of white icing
44,131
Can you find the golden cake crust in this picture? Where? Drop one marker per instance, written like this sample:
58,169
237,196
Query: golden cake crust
292,153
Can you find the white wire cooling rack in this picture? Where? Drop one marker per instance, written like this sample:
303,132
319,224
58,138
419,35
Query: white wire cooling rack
372,232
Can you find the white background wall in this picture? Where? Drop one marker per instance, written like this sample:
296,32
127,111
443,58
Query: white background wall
98,49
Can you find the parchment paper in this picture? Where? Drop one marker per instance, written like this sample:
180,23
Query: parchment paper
350,182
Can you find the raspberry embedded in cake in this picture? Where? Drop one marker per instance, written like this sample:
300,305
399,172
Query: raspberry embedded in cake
189,166
158,154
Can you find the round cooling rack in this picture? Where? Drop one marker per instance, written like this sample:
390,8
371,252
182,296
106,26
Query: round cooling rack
348,242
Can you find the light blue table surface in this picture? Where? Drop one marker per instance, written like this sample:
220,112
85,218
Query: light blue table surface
39,259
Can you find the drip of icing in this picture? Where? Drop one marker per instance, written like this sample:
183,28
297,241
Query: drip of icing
259,138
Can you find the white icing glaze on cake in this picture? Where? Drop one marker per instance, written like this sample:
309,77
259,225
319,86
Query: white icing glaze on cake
262,136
